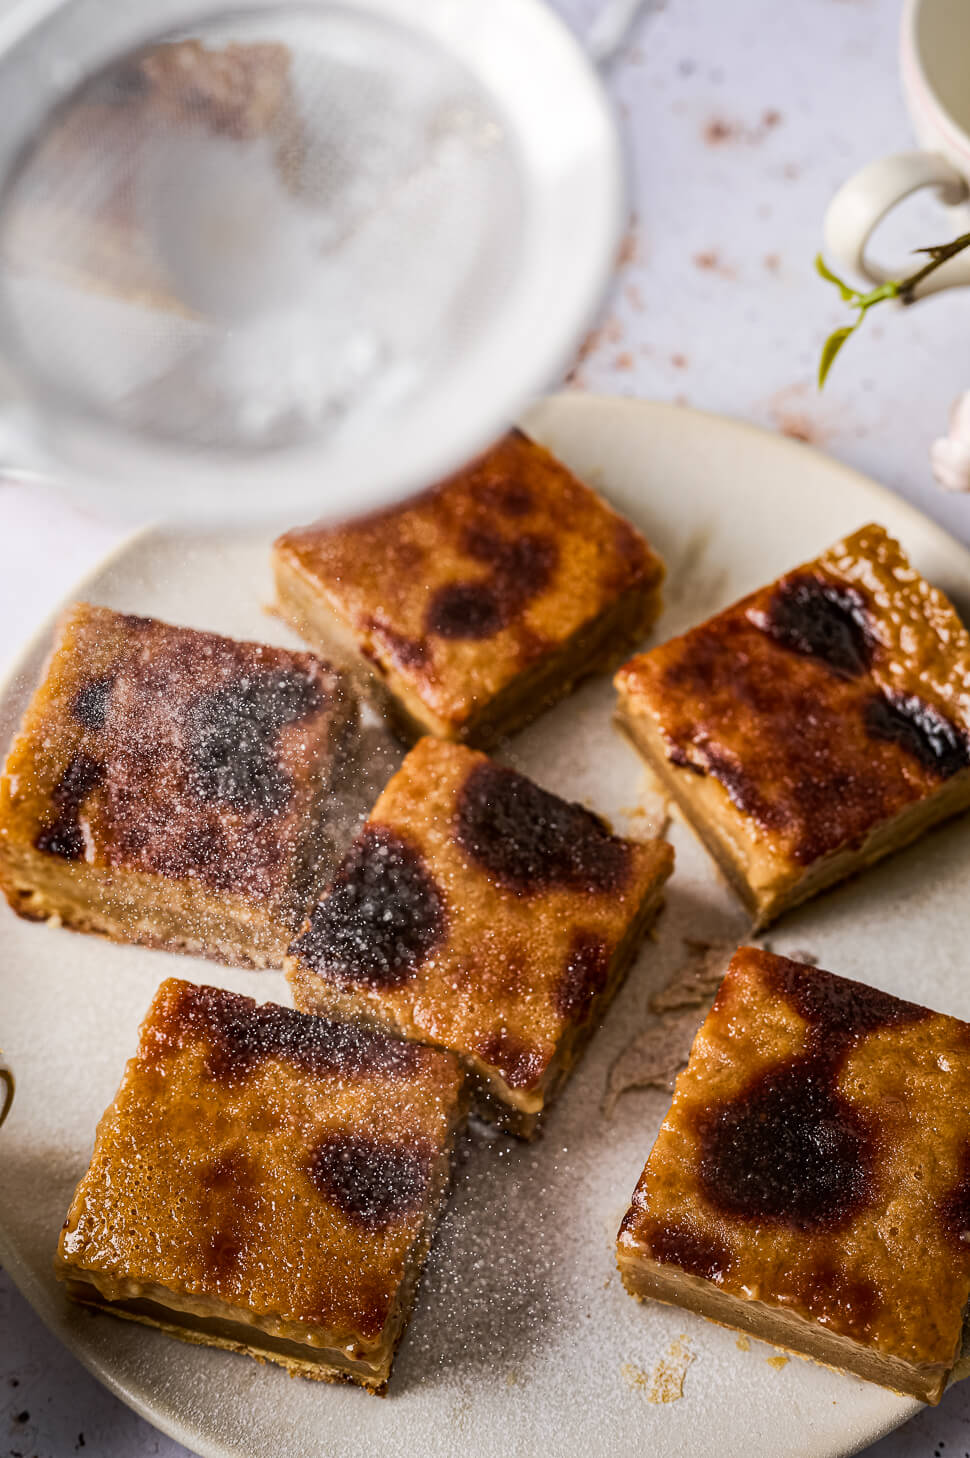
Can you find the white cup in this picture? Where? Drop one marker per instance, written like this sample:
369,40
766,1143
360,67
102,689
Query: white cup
935,65
6,1089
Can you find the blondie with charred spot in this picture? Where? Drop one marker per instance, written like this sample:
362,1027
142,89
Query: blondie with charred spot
171,786
809,1182
813,727
292,1222
480,913
469,609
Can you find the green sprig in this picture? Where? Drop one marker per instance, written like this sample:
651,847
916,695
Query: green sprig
862,302
895,288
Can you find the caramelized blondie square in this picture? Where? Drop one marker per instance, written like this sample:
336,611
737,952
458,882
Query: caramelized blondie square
266,1182
815,726
169,787
480,913
811,1181
473,607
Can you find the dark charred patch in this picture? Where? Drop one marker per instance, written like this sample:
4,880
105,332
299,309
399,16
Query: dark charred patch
680,1245
631,1219
584,976
382,917
920,729
678,755
838,1010
531,841
523,565
839,1298
520,1064
465,610
402,650
240,1034
89,705
509,498
954,1210
783,733
63,836
227,1215
742,788
231,736
520,569
822,620
373,1183
789,1148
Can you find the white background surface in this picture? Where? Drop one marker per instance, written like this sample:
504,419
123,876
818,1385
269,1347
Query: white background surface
742,120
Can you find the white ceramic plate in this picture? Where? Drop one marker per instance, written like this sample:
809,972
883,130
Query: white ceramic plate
523,1340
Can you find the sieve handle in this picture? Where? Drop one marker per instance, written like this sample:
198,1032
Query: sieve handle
611,28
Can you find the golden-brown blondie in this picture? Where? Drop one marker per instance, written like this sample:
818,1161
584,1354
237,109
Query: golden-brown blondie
813,727
480,913
476,605
266,1182
811,1181
170,787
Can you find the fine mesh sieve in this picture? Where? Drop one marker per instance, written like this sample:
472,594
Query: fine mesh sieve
291,257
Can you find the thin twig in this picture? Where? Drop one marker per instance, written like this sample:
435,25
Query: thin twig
902,289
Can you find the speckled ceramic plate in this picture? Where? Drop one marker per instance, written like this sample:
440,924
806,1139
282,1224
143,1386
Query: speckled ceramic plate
523,1341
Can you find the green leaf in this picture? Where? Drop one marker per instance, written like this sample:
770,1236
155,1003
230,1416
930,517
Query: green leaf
831,348
888,290
822,268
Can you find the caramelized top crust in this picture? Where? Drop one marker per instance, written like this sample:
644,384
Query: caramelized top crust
824,703
816,1158
272,1160
175,752
478,911
460,590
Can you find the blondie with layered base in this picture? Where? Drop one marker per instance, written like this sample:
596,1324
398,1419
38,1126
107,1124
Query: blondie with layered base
811,1181
468,610
480,913
815,726
266,1182
170,787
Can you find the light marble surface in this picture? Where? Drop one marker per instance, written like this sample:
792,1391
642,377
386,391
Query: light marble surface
742,119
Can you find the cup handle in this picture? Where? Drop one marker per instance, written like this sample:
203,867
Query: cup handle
6,1089
867,197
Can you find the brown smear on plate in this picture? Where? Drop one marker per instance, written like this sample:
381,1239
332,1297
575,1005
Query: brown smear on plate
659,1051
666,1382
667,1378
